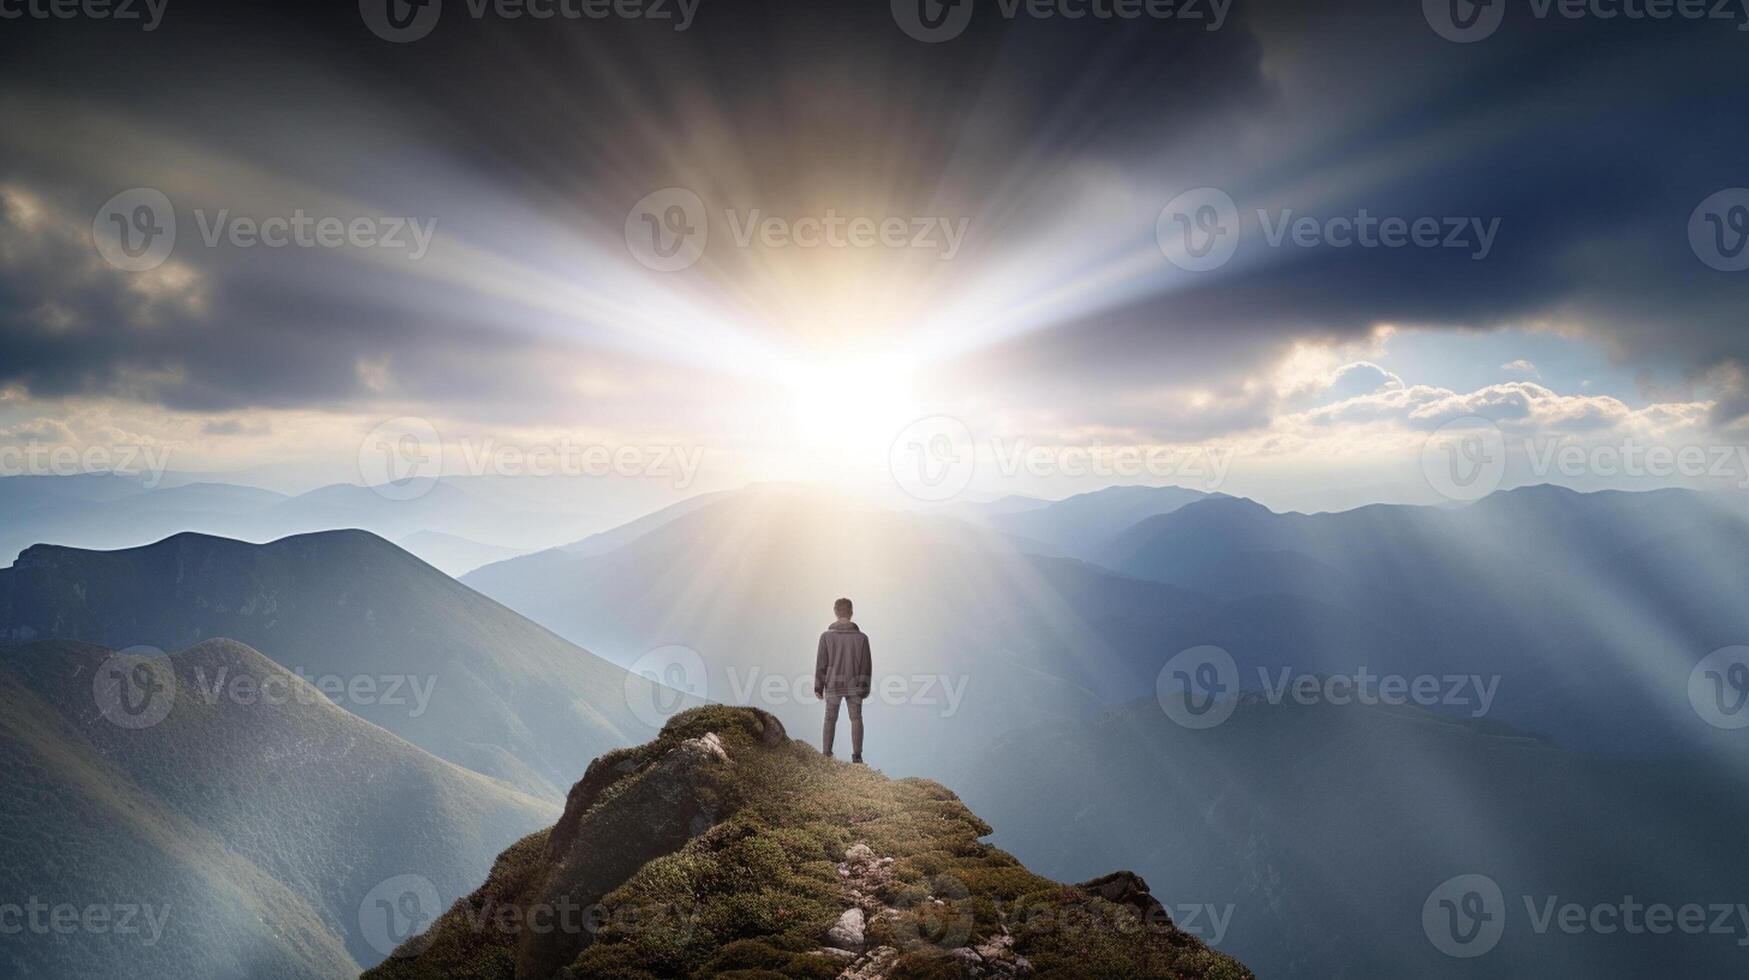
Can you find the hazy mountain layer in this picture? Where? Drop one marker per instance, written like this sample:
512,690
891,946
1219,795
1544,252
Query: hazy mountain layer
1590,609
238,834
1310,837
397,642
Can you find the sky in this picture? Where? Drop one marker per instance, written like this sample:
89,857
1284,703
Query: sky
1312,256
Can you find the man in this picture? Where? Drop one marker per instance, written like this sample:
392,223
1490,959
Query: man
841,673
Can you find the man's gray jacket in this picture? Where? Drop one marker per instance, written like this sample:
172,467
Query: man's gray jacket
843,666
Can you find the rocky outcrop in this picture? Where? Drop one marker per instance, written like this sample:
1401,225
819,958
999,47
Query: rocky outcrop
657,808
723,848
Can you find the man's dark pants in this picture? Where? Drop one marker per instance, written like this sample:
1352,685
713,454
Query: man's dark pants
832,722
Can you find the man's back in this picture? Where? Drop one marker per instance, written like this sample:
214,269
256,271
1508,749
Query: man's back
843,664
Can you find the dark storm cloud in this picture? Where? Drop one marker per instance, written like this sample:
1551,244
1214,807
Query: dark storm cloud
1588,142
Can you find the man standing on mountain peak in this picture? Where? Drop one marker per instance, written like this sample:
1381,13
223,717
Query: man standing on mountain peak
842,668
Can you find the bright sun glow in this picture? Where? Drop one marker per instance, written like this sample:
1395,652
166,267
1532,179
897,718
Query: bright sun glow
845,411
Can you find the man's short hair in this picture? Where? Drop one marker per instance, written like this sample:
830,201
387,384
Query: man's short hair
842,608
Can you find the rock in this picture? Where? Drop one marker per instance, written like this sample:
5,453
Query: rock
1128,888
710,744
671,799
859,854
841,955
875,966
847,933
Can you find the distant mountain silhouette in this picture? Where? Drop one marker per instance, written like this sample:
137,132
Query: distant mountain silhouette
457,524
725,849
507,698
452,554
1082,526
253,828
1590,607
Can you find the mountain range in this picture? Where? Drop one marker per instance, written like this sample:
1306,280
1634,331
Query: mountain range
1012,641
456,524
400,644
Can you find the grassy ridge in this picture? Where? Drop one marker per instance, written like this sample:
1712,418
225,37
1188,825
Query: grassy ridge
759,878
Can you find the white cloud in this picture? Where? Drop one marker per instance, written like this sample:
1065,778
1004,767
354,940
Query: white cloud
1519,405
1521,367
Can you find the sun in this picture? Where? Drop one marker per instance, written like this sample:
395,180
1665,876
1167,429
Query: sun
846,411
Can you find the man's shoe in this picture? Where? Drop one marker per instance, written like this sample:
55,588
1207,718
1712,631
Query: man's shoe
827,754
856,759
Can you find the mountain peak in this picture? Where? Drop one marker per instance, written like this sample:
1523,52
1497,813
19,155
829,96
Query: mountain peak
725,848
